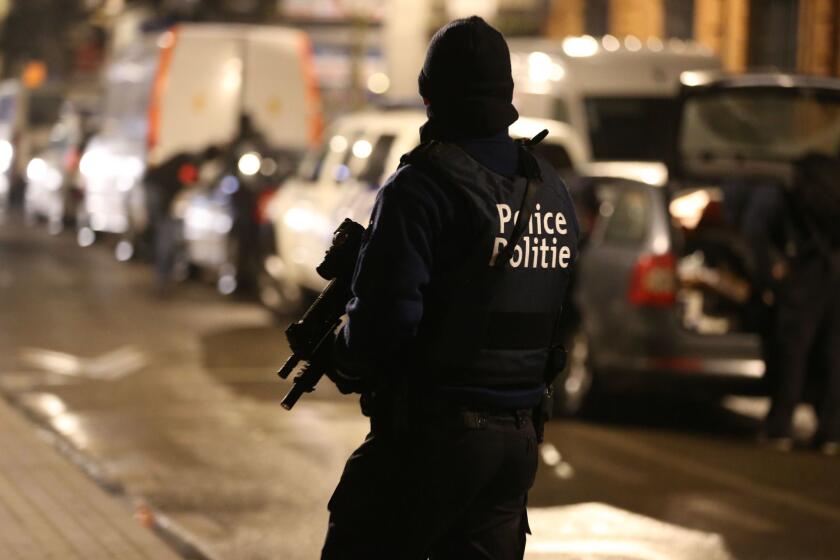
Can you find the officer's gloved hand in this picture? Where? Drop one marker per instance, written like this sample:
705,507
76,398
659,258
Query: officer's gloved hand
341,369
346,384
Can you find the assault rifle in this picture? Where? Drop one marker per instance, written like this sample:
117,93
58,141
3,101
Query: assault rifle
311,337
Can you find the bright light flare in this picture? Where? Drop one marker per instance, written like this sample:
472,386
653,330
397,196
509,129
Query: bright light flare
655,176
297,219
7,153
36,170
88,163
610,43
50,404
580,47
249,164
362,149
541,68
378,83
232,75
688,209
338,143
691,78
632,43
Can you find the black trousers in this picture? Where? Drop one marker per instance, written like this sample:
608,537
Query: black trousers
453,488
807,339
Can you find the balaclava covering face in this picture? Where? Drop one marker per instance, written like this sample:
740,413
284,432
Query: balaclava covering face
466,80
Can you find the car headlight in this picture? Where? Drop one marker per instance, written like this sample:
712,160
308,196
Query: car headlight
36,170
7,153
133,166
88,164
250,163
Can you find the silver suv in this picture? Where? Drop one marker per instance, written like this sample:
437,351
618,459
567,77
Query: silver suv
665,288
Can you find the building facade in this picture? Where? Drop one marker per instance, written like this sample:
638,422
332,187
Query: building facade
791,35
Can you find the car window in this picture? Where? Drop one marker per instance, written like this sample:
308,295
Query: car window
542,105
344,146
561,110
627,214
7,107
629,128
310,167
555,154
375,168
774,124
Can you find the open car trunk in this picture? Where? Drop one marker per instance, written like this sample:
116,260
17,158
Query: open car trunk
739,153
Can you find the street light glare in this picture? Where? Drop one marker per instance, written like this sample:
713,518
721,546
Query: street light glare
580,47
610,43
378,83
632,43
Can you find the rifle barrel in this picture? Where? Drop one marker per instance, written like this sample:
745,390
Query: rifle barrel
289,366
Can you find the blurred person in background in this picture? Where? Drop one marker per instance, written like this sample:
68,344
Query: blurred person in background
162,184
451,333
806,324
249,139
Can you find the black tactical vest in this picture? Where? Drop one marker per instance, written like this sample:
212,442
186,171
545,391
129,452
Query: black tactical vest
494,326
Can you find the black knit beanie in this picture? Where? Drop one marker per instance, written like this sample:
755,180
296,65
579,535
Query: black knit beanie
467,81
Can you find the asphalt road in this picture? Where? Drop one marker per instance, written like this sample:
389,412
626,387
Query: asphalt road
175,400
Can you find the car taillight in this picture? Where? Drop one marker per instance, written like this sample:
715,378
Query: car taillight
187,174
261,208
71,159
654,281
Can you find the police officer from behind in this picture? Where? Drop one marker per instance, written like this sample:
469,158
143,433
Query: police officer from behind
451,332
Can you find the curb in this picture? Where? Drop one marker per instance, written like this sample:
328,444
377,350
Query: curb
179,539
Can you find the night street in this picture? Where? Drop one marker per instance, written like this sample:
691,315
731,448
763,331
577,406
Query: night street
176,402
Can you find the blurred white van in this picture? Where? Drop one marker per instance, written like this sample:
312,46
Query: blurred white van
618,95
341,179
183,91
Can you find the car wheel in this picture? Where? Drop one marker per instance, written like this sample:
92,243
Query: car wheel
125,249
85,236
182,268
574,387
228,280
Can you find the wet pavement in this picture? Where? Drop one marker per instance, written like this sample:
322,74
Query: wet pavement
175,400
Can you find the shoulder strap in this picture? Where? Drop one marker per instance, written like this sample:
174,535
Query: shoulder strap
531,170
524,216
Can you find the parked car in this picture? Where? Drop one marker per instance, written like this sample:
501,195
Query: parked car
664,290
26,116
609,92
340,180
222,219
114,159
183,91
52,192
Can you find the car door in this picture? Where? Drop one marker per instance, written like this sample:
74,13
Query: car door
627,229
306,205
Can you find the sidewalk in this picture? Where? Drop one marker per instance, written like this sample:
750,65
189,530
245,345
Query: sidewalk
50,509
